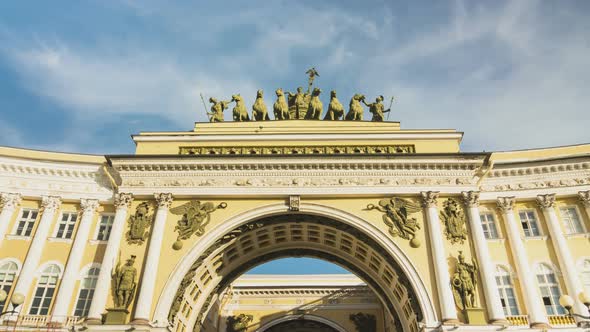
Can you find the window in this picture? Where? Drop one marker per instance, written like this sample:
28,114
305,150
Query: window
104,227
489,226
571,219
585,275
65,229
507,296
87,287
45,290
7,275
528,220
549,290
26,222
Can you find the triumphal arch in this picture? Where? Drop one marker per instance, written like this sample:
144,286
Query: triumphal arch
157,240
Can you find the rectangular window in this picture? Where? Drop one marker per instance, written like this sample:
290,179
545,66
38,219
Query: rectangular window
65,229
26,222
104,227
571,219
489,226
529,223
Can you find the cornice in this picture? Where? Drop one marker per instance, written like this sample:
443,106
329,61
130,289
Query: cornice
71,181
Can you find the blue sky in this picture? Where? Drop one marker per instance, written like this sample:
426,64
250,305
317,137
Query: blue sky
80,76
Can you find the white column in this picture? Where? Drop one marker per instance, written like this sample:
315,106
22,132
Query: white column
441,267
49,205
532,298
72,270
143,305
9,203
564,255
585,200
490,288
101,292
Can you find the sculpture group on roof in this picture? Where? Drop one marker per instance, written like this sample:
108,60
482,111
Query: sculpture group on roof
299,105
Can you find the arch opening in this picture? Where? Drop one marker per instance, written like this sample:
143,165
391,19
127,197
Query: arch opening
294,235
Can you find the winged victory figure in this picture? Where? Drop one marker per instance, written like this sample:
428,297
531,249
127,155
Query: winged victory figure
396,211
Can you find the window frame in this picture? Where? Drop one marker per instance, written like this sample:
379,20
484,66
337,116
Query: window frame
493,223
98,224
18,219
68,223
3,282
583,269
503,287
557,308
579,216
538,223
88,300
40,275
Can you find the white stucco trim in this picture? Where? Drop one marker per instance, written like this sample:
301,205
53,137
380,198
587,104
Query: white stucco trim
167,295
12,260
306,317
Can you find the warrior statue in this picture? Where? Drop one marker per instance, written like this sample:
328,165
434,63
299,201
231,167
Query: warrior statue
335,108
124,283
464,282
376,109
298,103
217,109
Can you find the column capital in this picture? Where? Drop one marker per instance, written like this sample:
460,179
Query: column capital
10,200
546,201
470,198
164,200
50,202
123,200
506,204
89,205
584,197
429,198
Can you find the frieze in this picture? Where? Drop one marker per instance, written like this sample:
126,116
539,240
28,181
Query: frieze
298,150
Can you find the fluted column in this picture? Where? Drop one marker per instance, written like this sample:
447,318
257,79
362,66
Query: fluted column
9,203
49,206
564,255
585,200
490,288
148,279
526,277
72,270
99,300
441,267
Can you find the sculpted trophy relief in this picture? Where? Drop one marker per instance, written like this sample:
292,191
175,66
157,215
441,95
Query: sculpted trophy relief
299,105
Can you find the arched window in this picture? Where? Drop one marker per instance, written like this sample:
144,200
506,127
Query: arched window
7,275
87,286
549,288
507,295
585,274
45,290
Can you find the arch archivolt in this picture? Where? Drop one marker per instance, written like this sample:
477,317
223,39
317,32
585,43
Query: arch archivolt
193,287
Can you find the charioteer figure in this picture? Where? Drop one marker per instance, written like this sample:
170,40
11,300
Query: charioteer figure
377,109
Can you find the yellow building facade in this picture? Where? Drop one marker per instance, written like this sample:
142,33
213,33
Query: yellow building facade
158,240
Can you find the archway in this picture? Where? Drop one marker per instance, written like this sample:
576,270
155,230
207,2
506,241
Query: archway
308,323
340,238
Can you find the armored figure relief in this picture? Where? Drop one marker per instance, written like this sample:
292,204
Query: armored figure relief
396,218
298,103
280,107
364,322
138,224
124,284
259,112
239,323
355,110
240,113
454,219
217,109
377,109
335,108
195,216
464,282
315,108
